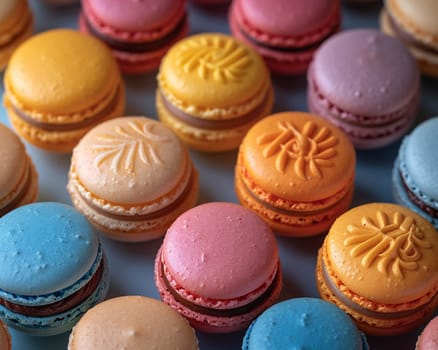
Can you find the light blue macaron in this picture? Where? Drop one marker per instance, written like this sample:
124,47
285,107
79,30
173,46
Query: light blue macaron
52,268
415,172
304,323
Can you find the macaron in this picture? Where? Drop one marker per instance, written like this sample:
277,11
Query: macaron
5,338
285,32
53,268
132,323
366,83
18,176
414,23
211,90
139,33
16,25
132,177
428,339
58,85
296,170
379,263
219,267
415,172
304,323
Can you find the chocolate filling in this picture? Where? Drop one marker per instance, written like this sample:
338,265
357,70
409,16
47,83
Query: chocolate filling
71,126
214,124
61,305
222,312
137,47
417,201
11,205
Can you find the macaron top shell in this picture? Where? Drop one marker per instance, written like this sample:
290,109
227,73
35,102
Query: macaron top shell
137,15
220,251
290,18
428,339
365,72
7,7
421,157
211,70
384,252
132,323
45,247
130,160
60,72
12,160
303,323
298,156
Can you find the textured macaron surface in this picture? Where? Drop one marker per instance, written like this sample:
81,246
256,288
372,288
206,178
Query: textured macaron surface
384,252
220,251
130,160
61,72
298,156
365,72
44,248
303,323
428,339
132,323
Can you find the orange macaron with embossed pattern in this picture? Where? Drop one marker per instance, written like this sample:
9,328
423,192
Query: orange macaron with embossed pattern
296,171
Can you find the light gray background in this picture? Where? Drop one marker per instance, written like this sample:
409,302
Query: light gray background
131,265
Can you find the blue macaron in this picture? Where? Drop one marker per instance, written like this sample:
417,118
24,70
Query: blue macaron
415,171
52,268
304,323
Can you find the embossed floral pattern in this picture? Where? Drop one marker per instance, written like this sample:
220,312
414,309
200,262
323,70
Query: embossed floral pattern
308,150
125,144
214,58
394,244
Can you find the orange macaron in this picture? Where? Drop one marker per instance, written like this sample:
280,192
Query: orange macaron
379,263
296,171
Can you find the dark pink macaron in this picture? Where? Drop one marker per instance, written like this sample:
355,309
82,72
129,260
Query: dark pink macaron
366,83
219,267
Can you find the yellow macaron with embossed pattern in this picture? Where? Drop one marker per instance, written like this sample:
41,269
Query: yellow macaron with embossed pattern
211,90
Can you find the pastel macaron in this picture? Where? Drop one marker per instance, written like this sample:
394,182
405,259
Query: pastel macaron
132,177
16,25
428,339
414,23
304,323
58,85
5,338
379,263
285,32
366,83
53,268
211,90
296,170
18,176
139,33
416,170
142,323
219,267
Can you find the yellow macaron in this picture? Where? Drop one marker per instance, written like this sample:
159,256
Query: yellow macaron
58,85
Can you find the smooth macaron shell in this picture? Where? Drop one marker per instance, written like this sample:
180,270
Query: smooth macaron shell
54,269
18,176
58,85
416,170
379,264
296,170
414,23
132,177
211,89
286,33
428,339
142,323
366,83
219,267
139,33
5,338
303,323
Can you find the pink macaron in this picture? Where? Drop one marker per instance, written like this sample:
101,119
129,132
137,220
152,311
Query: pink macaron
219,267
366,83
138,32
285,32
428,339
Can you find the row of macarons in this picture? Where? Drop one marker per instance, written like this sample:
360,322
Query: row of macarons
219,267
